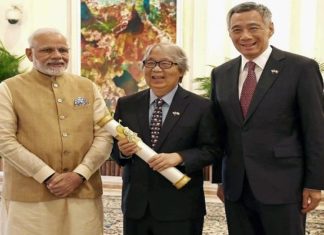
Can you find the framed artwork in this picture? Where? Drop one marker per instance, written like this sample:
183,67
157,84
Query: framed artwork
114,35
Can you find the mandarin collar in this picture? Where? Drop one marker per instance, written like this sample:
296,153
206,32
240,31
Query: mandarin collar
44,78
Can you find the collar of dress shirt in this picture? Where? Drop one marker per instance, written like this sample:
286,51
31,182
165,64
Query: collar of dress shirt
260,61
167,98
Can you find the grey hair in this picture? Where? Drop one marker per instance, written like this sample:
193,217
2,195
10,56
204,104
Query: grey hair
250,6
41,31
178,55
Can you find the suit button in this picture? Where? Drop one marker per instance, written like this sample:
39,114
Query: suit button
64,134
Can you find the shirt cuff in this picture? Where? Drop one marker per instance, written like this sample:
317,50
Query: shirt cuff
43,174
83,170
122,156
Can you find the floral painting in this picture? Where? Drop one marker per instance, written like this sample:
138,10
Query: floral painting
114,35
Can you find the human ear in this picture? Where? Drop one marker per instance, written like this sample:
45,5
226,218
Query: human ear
29,54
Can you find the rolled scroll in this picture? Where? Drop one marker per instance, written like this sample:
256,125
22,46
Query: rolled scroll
176,177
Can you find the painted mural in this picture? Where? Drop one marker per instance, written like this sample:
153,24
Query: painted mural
114,35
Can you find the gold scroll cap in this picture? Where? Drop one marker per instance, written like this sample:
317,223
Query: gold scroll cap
182,182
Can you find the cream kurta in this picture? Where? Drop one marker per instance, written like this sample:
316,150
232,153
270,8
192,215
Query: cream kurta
23,166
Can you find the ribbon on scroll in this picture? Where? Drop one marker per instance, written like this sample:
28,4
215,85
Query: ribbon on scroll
176,177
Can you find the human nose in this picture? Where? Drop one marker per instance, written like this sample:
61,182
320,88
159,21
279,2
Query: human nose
56,53
157,67
246,34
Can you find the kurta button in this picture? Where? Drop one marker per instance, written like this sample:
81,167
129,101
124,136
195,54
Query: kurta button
64,134
60,100
55,85
62,117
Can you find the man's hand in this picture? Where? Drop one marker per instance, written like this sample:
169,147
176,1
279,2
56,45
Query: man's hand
127,148
50,179
64,184
311,199
163,161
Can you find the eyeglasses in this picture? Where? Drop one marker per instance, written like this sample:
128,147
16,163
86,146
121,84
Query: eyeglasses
163,64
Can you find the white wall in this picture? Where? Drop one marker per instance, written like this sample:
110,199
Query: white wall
36,14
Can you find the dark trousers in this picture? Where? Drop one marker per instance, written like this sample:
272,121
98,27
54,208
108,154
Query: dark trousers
248,216
148,225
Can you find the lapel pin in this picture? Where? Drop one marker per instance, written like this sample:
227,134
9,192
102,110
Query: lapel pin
274,71
175,113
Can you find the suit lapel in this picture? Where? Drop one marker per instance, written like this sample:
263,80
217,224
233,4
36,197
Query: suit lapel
176,110
143,116
268,77
232,86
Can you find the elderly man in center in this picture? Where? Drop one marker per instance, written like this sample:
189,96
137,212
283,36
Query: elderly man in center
181,127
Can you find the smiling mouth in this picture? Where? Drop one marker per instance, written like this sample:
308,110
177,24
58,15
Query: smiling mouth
248,45
56,64
157,78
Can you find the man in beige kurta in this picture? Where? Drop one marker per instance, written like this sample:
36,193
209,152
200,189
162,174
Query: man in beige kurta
51,150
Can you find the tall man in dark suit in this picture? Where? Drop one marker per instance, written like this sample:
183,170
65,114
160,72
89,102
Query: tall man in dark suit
188,140
273,116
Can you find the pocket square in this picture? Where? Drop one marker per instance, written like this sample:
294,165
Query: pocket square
80,101
175,113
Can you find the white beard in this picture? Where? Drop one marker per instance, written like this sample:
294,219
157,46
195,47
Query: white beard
51,71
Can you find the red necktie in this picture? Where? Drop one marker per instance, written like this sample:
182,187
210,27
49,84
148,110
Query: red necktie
156,121
248,88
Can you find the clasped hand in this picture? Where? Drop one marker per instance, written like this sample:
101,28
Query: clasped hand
62,185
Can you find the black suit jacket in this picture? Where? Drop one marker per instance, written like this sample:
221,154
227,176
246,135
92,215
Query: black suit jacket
189,129
280,144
